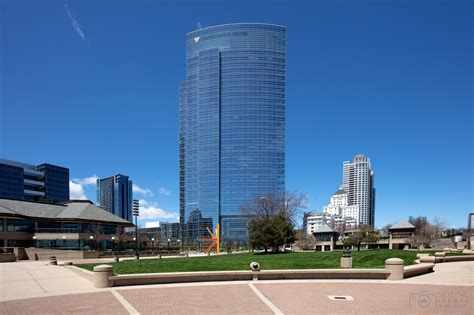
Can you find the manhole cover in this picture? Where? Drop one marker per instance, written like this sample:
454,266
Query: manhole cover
340,297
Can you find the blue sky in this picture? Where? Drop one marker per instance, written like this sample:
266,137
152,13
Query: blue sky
93,86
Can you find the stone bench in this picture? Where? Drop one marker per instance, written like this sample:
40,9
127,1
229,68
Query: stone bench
416,270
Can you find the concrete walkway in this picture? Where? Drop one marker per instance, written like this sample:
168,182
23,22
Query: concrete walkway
38,288
29,279
455,273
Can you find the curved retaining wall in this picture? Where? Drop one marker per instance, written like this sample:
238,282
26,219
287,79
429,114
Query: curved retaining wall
179,277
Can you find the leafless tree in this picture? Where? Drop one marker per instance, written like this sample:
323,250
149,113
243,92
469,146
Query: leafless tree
438,226
287,204
384,231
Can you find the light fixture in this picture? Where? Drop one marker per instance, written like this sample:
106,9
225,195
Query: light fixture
91,237
113,238
34,237
64,237
153,239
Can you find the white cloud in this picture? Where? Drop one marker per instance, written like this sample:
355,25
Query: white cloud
76,186
91,180
164,191
76,191
144,191
74,22
150,210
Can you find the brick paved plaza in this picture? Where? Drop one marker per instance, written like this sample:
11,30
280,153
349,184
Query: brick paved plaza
58,294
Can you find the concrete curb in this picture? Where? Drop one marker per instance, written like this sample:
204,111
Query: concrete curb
180,277
417,270
86,274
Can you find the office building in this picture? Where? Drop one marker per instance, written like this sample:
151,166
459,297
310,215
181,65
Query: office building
232,125
358,182
339,206
115,195
160,234
43,183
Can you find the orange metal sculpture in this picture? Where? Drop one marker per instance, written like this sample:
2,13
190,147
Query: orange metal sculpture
214,240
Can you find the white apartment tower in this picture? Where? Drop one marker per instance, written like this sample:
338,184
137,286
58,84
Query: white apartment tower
340,206
358,182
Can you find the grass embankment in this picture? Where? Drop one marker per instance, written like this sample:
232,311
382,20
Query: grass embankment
308,260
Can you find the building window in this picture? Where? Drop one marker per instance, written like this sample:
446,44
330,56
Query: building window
71,228
108,229
20,226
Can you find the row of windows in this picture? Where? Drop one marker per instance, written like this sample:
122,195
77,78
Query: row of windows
14,225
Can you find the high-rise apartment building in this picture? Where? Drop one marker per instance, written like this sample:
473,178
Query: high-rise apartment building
115,195
44,182
339,206
232,125
358,182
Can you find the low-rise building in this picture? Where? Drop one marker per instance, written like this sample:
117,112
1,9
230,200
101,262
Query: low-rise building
75,224
325,237
401,235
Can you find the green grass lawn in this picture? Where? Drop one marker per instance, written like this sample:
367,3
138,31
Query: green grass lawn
307,260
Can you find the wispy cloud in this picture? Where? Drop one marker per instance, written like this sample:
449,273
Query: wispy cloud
87,181
76,191
143,191
164,191
74,22
150,210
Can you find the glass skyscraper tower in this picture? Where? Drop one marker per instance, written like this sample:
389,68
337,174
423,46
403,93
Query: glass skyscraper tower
232,125
115,195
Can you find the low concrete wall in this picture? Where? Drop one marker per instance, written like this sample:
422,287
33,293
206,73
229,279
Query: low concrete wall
459,258
179,277
416,270
89,275
44,254
7,257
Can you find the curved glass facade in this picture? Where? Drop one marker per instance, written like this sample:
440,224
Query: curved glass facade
232,125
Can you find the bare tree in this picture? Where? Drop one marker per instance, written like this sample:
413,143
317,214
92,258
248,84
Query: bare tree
286,204
438,226
385,230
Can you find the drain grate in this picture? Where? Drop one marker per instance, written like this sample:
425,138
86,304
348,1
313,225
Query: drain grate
340,297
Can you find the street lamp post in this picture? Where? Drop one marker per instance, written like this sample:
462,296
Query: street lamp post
113,245
136,212
152,245
179,247
169,240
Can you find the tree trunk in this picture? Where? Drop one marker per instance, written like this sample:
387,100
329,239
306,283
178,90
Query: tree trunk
358,246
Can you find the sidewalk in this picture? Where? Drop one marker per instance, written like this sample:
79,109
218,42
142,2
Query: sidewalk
30,279
39,288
